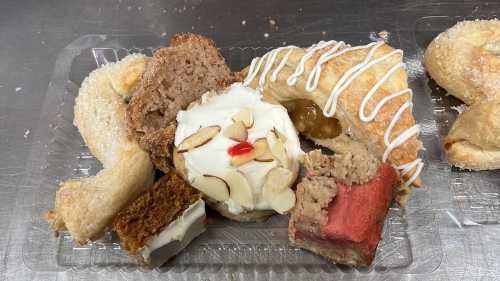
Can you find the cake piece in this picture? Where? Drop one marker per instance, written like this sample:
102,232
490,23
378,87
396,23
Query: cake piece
341,206
176,76
162,221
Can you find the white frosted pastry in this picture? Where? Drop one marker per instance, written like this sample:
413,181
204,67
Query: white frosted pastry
211,137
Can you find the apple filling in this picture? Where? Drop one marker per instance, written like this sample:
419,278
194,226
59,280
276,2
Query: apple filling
309,120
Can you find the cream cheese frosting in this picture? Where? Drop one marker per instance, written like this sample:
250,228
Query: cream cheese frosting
176,236
213,158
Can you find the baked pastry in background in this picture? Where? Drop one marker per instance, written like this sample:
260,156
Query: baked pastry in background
465,60
341,205
176,76
362,93
87,206
162,221
474,139
240,152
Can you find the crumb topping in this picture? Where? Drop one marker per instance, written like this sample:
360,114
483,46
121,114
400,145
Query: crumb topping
313,196
356,167
318,188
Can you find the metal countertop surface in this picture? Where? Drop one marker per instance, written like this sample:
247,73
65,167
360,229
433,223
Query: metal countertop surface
32,33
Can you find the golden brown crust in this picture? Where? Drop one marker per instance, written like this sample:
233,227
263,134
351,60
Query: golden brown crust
176,76
474,140
465,60
369,133
86,206
155,209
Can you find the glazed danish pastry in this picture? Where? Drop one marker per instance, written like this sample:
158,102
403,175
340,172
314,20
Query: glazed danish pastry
361,92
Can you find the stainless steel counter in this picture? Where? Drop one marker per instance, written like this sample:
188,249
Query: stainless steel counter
33,33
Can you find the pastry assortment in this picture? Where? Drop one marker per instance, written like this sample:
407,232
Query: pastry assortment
233,144
465,60
363,94
230,141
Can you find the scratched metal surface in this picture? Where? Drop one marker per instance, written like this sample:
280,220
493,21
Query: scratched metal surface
33,38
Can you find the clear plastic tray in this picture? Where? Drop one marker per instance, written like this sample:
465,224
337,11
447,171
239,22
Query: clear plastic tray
416,240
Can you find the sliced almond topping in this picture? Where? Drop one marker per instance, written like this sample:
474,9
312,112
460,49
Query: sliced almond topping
245,116
241,159
260,147
236,131
212,186
277,148
241,191
284,201
265,157
193,104
279,135
277,180
201,137
179,163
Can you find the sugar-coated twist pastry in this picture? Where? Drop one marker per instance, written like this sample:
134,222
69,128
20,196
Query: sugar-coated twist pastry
465,60
86,206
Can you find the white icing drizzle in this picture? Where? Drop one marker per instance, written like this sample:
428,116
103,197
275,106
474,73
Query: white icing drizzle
274,76
292,79
347,78
269,57
316,71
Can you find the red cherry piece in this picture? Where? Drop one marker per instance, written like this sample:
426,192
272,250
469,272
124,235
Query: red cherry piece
240,148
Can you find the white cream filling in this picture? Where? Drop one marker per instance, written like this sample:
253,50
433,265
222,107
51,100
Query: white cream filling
176,236
213,158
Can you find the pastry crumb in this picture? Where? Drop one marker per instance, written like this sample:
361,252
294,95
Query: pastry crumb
384,34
